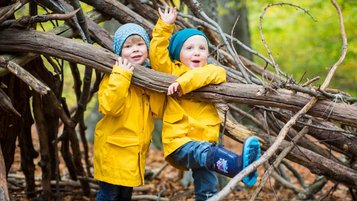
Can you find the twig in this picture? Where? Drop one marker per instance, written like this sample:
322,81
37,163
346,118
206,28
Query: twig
247,115
29,20
344,47
235,52
344,132
275,65
231,71
315,187
332,189
310,81
338,95
281,180
54,65
295,173
301,89
281,170
156,172
271,184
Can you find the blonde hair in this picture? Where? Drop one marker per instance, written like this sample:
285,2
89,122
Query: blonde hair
134,38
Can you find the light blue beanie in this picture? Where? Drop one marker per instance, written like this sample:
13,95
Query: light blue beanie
126,30
178,39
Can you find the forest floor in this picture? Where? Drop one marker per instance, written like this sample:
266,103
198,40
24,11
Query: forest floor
170,184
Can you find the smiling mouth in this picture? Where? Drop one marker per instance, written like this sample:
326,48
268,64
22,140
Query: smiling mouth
136,57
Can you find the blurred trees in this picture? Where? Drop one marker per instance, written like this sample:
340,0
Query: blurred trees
300,45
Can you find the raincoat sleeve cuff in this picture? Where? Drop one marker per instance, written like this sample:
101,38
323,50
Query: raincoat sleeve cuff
183,82
123,72
161,25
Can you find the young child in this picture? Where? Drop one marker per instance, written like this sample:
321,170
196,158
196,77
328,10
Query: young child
123,135
190,127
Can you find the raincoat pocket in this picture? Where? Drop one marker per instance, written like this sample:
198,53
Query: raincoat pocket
211,129
123,152
173,118
211,121
123,141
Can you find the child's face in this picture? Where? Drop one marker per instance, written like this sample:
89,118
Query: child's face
194,51
134,50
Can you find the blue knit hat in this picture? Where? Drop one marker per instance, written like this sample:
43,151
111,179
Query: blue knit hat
126,30
179,38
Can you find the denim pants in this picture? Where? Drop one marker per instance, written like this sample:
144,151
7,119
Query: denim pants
192,155
110,192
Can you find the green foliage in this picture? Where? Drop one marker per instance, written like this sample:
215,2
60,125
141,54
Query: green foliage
224,6
299,44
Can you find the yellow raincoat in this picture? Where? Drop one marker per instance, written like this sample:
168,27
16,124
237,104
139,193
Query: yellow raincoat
185,120
123,135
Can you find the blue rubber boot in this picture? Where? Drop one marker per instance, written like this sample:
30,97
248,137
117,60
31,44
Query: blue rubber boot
223,161
250,153
230,164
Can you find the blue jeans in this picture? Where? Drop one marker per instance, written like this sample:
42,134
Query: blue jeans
192,155
110,192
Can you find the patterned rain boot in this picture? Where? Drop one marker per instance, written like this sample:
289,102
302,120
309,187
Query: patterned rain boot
230,164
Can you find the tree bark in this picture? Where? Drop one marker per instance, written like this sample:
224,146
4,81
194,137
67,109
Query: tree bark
4,193
102,59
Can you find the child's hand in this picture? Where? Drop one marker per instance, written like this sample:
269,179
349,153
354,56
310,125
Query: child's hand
174,88
125,64
169,15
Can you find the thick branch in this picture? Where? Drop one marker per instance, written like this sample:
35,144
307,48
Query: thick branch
6,104
120,12
101,59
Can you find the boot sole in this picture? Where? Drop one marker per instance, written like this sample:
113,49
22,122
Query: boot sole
251,152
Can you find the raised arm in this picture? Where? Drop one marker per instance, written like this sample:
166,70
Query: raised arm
114,88
159,54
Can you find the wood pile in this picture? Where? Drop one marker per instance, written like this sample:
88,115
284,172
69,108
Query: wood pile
313,126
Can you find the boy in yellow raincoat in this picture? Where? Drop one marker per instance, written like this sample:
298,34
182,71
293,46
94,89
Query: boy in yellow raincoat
190,127
123,135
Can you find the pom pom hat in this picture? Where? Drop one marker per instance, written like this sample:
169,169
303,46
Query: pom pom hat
178,39
126,30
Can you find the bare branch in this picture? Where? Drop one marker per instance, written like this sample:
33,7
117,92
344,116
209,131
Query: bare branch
226,190
6,12
275,65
